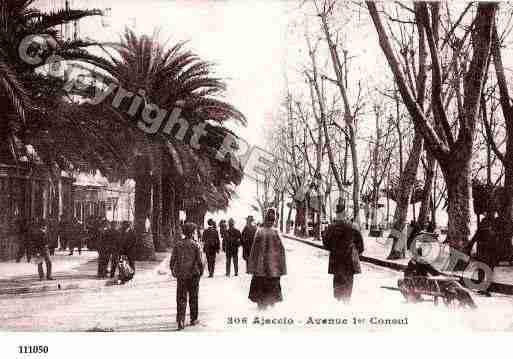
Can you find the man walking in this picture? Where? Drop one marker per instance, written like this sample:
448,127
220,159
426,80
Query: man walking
105,248
231,246
75,236
187,267
211,245
248,235
39,234
345,243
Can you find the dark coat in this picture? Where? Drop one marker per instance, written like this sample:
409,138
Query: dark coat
486,239
211,243
415,230
341,239
93,233
267,257
248,235
231,242
186,259
75,234
111,241
127,246
38,239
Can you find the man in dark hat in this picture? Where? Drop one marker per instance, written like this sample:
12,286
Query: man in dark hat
39,238
76,237
108,250
187,267
211,245
248,235
345,243
232,244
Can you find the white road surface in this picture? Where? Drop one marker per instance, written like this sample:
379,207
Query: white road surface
149,305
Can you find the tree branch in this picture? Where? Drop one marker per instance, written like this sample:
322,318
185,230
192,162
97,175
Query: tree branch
438,148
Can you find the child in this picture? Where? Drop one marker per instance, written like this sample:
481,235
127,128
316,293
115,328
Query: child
187,267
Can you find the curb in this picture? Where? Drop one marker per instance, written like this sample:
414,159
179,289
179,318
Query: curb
54,287
57,286
501,288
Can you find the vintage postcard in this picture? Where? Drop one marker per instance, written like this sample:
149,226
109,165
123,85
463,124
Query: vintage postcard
250,167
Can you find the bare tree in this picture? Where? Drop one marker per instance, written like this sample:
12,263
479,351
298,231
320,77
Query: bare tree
350,112
453,154
506,158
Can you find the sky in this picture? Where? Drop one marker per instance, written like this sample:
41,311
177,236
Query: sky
244,39
257,46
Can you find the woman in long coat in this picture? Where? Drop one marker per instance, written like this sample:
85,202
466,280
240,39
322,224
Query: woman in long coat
267,264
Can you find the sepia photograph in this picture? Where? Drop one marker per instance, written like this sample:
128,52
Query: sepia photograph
252,167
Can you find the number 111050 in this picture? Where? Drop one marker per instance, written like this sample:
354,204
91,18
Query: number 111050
33,349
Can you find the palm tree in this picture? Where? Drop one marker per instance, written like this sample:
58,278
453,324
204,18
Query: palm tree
163,77
18,20
66,134
37,110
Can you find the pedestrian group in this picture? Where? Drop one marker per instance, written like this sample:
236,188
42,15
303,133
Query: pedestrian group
115,244
264,254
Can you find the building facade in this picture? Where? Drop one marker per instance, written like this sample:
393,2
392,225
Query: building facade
27,192
94,195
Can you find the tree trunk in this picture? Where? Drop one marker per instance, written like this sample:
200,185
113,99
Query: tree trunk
167,204
156,218
457,178
356,177
289,217
399,132
403,199
196,214
388,197
175,213
453,155
145,246
282,210
307,214
426,192
375,182
433,197
300,218
507,211
348,117
506,215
